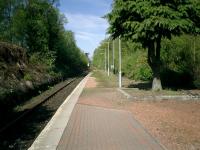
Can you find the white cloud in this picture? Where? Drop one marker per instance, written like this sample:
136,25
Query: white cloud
89,29
86,22
99,3
87,35
89,38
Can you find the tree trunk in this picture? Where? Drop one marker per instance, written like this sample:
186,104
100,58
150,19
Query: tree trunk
154,63
156,84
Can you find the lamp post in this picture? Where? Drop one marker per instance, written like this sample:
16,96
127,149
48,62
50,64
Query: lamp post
108,59
107,66
120,63
113,66
105,60
108,55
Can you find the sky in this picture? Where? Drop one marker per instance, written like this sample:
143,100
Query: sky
85,20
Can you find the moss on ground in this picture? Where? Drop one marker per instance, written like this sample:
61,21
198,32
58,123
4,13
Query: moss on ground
112,82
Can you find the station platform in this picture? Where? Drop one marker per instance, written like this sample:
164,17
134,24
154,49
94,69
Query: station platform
85,121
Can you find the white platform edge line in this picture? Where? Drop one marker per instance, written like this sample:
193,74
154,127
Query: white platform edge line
128,96
43,141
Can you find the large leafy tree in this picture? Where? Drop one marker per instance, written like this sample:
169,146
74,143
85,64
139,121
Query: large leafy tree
36,30
38,26
148,21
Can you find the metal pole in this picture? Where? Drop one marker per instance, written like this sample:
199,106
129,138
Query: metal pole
120,64
105,60
108,60
113,56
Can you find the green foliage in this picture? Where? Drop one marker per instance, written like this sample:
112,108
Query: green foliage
148,21
134,62
180,58
35,59
138,65
68,53
36,30
197,83
177,53
99,58
19,26
182,55
46,60
38,26
27,76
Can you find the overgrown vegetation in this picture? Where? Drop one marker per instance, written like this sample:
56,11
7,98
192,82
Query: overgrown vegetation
38,26
149,21
180,57
153,23
134,62
35,48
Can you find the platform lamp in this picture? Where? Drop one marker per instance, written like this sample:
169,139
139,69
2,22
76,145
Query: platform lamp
120,63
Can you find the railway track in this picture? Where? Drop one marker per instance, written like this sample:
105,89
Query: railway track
29,114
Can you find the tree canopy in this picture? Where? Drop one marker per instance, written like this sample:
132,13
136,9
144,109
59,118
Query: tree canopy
148,21
38,26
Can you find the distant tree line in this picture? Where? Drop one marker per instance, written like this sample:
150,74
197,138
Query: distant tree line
38,26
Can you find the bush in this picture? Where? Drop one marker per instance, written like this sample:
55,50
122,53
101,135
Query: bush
197,83
181,55
143,73
27,76
175,79
135,66
180,58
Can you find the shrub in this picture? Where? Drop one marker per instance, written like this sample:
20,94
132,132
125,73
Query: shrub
135,66
181,55
27,76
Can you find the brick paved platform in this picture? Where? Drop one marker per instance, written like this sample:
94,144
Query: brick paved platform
89,122
98,128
